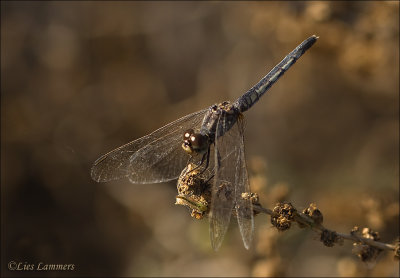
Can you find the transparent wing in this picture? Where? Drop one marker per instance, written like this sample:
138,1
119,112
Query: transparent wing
223,191
157,157
244,208
230,181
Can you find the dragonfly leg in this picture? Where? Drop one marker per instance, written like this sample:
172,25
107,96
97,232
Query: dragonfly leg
205,155
208,180
213,175
207,160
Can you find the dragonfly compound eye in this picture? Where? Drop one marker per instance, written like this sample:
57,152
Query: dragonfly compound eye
187,134
194,143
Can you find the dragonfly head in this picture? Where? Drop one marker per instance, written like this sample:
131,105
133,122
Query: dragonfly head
195,143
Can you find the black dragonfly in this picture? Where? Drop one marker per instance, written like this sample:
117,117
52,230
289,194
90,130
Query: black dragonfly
211,140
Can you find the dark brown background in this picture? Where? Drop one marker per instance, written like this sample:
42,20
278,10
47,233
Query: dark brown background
81,78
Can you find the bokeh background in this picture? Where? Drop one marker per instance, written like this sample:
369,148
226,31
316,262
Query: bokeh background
81,78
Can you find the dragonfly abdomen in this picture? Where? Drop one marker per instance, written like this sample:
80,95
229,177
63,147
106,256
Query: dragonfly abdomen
247,100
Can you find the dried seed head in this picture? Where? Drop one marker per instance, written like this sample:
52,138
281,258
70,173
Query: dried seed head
314,213
329,238
253,197
355,230
366,252
194,191
192,181
368,233
197,215
283,215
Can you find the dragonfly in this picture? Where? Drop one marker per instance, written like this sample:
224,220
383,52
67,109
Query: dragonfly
207,146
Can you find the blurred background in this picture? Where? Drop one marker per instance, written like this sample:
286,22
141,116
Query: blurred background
81,78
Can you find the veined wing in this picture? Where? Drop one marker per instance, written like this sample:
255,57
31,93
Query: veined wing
157,157
223,189
244,207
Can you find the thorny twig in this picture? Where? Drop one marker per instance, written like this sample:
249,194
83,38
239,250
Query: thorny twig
366,246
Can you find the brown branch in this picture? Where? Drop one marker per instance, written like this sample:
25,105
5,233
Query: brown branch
192,194
366,244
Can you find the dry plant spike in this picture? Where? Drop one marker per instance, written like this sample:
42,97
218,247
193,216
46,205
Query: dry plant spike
194,192
283,216
366,243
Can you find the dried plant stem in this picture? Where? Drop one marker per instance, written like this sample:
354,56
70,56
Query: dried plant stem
305,220
368,241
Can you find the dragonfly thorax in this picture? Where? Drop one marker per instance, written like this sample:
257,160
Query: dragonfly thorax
195,143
